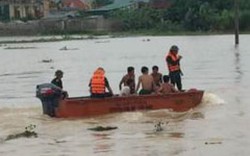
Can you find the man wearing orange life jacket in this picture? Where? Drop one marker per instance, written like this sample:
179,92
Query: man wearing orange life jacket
99,83
173,63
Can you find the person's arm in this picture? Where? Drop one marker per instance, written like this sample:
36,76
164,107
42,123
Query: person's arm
177,62
154,86
179,57
110,90
172,62
90,85
159,90
138,85
134,83
161,78
61,84
108,87
121,82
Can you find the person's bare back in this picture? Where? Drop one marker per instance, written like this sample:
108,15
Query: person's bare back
147,82
167,88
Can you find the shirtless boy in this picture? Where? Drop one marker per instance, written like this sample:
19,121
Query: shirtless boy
146,81
128,80
156,76
166,87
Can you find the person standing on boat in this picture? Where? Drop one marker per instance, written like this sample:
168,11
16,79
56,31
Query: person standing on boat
58,82
128,81
146,81
156,76
98,84
173,63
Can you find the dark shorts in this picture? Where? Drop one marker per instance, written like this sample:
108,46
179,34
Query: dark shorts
101,95
144,92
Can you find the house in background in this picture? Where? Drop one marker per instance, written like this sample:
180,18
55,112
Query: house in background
4,11
68,4
34,9
20,9
75,4
57,9
118,4
131,4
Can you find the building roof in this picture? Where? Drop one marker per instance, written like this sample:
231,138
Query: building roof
61,15
118,4
77,4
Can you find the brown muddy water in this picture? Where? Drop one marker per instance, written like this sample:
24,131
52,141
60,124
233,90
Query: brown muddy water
219,126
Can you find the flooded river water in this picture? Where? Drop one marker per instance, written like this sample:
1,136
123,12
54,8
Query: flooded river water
219,126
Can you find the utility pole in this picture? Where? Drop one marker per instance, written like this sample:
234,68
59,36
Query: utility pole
236,21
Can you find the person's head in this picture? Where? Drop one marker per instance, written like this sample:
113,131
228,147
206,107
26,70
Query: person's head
130,70
165,78
155,69
59,74
144,70
99,70
174,49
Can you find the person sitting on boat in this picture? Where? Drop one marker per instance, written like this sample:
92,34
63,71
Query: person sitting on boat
146,81
166,87
98,84
156,76
128,81
58,82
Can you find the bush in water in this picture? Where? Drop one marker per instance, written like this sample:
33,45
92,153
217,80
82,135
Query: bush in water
29,132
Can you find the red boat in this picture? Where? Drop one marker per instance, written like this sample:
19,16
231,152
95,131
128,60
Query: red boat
88,107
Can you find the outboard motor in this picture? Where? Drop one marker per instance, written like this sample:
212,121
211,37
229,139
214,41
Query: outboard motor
49,94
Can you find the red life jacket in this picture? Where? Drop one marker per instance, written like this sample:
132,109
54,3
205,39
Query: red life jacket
98,82
171,67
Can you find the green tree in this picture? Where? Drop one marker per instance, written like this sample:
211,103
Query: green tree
144,18
191,15
245,20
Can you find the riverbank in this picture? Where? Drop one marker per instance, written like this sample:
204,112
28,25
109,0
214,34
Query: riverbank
102,35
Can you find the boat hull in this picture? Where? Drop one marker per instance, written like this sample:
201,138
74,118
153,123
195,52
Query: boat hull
88,107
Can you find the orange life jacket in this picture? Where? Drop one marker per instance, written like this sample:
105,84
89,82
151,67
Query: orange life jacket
171,67
98,82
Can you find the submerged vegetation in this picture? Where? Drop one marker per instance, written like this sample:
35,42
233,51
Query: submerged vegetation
101,128
28,133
